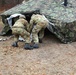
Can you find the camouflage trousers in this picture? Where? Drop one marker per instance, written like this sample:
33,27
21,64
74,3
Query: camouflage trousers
38,32
21,32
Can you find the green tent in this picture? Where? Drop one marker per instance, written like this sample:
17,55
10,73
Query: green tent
62,20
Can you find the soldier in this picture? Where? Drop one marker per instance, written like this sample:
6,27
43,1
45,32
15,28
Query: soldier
20,28
38,23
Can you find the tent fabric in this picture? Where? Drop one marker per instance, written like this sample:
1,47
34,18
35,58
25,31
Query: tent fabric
63,18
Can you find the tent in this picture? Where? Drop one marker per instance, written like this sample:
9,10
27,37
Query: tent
62,19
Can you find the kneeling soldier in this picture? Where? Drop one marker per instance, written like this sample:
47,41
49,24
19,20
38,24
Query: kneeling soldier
20,28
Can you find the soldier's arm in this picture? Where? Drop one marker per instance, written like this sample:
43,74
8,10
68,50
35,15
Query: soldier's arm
31,21
27,33
25,22
31,24
28,27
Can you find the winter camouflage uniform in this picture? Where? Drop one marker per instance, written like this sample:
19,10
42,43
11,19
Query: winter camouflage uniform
20,28
38,23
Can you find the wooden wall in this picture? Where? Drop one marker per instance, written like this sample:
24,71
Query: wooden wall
6,4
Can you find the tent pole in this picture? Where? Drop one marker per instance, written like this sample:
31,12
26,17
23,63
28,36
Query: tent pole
65,2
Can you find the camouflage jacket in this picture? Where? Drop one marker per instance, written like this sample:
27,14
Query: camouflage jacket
35,19
21,23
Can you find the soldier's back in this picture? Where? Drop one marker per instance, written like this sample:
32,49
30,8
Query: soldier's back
38,18
19,23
